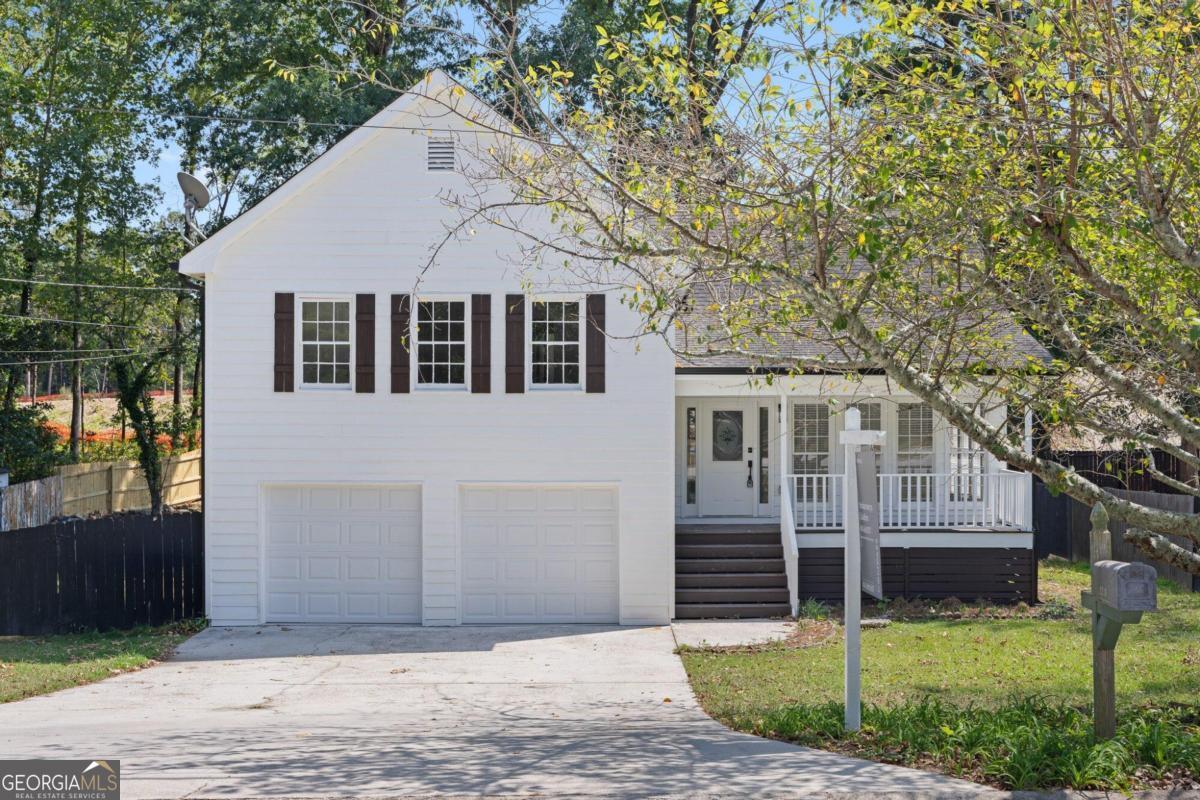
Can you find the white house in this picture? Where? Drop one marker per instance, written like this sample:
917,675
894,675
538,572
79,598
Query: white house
393,440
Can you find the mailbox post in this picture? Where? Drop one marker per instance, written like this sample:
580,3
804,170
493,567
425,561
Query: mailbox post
1121,592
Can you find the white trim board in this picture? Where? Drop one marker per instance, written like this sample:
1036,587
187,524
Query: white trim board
947,539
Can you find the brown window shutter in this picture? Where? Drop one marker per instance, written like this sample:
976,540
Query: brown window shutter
481,343
364,343
514,343
285,341
401,317
595,343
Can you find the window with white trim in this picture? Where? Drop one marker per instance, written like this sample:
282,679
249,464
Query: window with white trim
441,336
914,449
966,466
810,448
325,343
554,343
870,414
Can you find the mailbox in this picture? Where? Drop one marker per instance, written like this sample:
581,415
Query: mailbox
1122,591
1125,586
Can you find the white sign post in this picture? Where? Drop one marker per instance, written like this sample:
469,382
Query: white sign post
854,438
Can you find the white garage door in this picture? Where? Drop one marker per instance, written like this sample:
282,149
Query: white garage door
343,554
539,554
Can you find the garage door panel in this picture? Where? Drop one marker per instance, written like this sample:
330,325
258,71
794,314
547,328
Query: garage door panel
322,568
323,499
539,554
283,568
340,554
323,533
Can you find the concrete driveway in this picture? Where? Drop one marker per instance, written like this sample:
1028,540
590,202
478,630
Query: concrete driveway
303,711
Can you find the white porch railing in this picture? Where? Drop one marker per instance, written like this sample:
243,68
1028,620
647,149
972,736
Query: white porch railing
984,500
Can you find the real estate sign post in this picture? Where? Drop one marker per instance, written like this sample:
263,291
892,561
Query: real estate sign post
861,484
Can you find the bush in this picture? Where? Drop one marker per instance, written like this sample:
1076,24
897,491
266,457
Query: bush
28,449
1029,743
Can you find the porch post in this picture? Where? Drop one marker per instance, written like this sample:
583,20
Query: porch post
1027,445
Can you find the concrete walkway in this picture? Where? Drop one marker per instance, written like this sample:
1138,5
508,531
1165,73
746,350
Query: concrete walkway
360,710
731,632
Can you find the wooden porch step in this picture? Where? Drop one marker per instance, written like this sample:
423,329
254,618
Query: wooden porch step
719,537
733,595
728,565
729,550
731,610
736,580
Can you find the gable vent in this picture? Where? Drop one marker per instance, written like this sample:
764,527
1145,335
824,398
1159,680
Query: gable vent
439,155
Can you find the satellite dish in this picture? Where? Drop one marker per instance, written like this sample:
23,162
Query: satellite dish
195,193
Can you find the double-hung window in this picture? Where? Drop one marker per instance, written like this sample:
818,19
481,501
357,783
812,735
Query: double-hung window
554,343
325,343
966,467
914,449
441,334
810,450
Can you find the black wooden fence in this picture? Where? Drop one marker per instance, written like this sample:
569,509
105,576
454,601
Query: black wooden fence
101,574
1063,528
1121,469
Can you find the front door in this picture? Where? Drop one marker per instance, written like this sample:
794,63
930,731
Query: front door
727,451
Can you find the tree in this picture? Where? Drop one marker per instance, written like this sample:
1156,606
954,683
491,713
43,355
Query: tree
912,194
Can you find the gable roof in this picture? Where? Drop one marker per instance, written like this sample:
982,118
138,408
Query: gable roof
436,85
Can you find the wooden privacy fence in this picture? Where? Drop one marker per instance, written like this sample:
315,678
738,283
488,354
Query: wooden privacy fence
110,572
1062,527
105,487
30,503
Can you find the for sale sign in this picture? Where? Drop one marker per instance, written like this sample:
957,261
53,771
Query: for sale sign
866,467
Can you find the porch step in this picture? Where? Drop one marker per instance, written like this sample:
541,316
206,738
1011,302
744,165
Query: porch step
736,580
732,595
728,565
729,550
696,537
731,610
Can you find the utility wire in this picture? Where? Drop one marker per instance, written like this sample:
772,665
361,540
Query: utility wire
73,360
66,350
101,286
71,322
294,123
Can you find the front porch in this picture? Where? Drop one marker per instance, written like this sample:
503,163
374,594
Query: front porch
753,457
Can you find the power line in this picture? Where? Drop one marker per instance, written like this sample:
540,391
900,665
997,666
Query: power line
65,350
71,321
102,286
294,123
73,360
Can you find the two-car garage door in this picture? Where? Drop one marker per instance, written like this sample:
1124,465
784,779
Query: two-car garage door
528,554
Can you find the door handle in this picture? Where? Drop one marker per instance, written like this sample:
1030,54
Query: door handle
750,473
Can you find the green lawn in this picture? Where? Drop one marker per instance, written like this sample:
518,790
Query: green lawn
33,665
984,662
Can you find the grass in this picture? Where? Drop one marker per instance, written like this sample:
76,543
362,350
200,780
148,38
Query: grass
33,665
966,665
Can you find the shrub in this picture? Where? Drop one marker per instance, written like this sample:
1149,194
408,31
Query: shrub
1030,743
28,449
